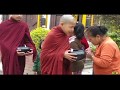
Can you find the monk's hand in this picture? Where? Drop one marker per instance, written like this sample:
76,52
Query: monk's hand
20,53
70,56
29,52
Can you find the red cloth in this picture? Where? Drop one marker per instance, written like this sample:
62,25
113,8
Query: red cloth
84,42
12,35
54,46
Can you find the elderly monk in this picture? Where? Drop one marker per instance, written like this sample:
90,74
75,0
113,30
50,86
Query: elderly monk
55,56
14,33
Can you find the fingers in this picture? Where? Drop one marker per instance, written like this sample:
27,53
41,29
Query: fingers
18,50
20,53
72,54
72,58
29,53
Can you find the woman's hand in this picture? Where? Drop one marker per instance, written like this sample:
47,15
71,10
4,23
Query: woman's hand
89,54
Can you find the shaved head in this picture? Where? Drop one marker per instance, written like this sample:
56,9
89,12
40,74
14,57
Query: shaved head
17,17
67,23
67,19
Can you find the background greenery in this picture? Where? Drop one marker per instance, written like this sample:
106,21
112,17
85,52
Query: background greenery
39,34
112,22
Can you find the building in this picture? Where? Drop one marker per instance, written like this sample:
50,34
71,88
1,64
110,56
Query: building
49,21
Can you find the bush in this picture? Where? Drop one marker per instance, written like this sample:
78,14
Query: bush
115,36
38,34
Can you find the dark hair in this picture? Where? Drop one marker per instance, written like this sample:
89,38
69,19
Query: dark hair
97,30
79,30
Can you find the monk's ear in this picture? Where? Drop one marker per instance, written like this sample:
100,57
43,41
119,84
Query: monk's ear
61,23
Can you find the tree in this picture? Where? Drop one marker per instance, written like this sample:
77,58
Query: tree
112,22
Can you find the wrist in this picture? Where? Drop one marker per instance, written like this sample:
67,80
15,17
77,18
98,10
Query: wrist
92,56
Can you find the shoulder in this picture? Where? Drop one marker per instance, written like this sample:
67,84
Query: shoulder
23,23
51,35
110,44
4,22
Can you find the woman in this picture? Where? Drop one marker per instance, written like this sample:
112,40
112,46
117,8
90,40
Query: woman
75,43
106,59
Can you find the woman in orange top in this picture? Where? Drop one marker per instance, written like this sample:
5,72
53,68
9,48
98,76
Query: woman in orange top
106,60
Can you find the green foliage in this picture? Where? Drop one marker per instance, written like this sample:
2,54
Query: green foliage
38,34
108,21
115,73
115,36
112,22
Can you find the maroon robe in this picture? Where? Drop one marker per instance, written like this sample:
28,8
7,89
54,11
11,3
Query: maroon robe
12,35
54,46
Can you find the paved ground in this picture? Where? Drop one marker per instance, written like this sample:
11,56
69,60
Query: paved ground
28,67
88,70
29,64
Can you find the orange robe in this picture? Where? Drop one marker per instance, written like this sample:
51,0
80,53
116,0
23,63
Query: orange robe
107,58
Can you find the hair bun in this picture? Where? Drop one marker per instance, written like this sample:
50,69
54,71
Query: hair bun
103,29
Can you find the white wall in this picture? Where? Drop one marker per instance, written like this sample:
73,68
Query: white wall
1,18
48,23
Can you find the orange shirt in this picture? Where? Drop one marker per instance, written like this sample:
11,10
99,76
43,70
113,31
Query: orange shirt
107,58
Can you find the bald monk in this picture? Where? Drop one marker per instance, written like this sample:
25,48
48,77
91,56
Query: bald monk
14,33
55,56
106,59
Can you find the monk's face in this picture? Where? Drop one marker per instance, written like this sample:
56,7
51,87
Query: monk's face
68,28
17,17
94,40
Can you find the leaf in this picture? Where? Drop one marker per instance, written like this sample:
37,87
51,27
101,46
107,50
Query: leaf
38,34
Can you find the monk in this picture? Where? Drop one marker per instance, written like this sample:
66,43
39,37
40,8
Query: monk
106,60
55,56
14,33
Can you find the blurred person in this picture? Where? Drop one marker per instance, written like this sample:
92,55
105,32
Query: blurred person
75,43
13,34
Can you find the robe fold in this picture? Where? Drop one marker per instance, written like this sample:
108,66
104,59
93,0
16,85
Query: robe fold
52,54
12,35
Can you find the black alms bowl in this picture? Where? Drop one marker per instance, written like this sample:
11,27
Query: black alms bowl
80,54
23,49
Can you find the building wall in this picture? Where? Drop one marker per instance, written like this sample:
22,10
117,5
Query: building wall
30,19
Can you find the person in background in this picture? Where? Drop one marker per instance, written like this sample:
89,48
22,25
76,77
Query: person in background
75,43
36,66
13,34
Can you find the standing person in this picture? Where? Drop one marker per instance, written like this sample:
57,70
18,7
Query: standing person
13,34
36,66
75,43
106,59
55,56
